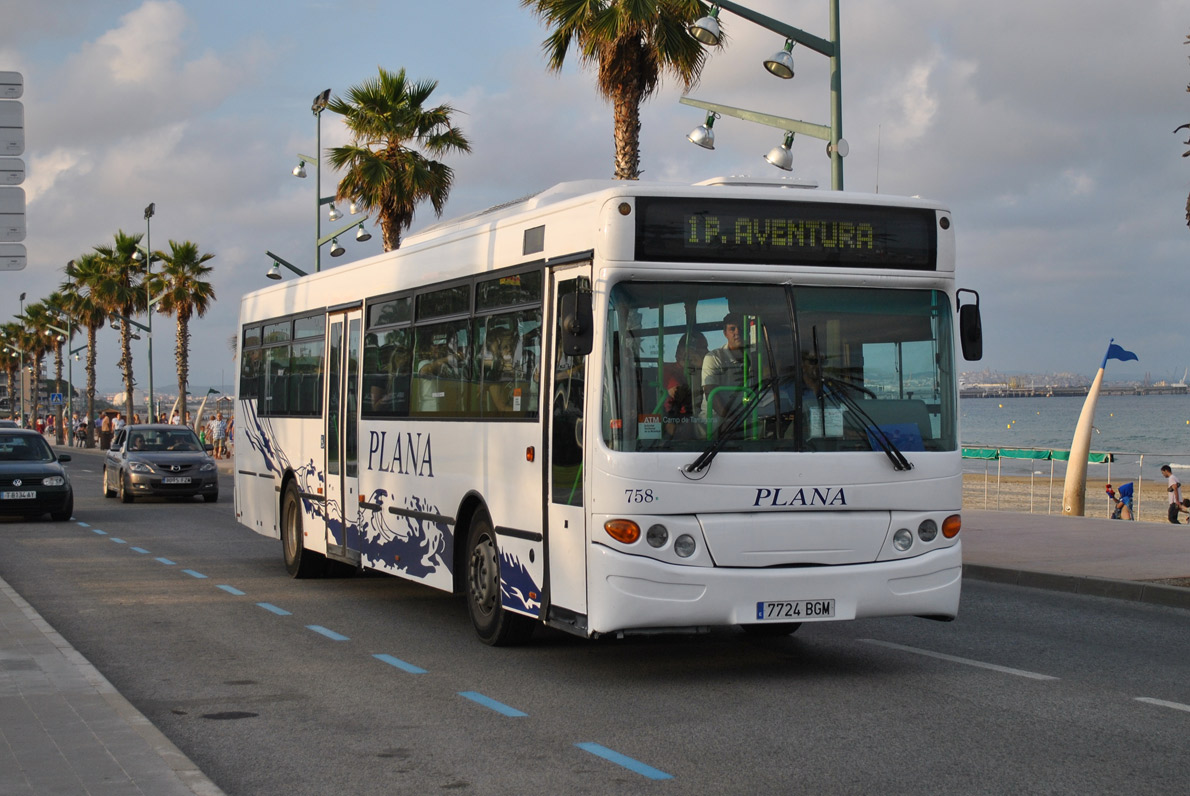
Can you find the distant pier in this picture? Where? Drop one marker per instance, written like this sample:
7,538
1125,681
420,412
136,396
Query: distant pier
1003,391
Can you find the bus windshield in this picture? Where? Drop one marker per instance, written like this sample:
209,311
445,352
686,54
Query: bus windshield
777,368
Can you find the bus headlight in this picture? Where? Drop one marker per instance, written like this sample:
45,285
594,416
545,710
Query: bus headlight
657,535
684,545
927,531
903,539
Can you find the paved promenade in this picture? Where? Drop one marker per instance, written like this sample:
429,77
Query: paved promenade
65,730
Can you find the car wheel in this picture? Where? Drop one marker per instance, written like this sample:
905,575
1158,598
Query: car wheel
66,511
108,492
493,624
125,493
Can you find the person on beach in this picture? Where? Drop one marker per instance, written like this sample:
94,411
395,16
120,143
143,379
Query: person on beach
1121,501
1174,488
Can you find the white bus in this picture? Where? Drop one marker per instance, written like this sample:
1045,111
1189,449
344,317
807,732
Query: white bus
619,407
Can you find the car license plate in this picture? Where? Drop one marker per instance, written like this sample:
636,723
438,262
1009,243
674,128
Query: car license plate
794,610
26,495
176,479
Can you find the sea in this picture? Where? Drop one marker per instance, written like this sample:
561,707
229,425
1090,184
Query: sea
1142,432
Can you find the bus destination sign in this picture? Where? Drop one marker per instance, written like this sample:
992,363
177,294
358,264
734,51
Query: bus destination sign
785,233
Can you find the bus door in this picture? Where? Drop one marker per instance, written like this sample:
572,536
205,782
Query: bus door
565,523
342,435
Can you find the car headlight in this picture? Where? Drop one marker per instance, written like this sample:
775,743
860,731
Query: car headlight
54,480
207,467
139,467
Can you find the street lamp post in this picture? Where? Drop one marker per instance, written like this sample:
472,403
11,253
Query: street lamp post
320,240
148,257
148,330
782,66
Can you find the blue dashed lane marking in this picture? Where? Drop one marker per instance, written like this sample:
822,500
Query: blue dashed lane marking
101,533
231,590
194,574
623,760
332,635
82,524
118,541
140,550
400,664
274,609
167,562
488,702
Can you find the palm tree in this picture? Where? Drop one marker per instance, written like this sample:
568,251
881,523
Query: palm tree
121,294
386,173
11,333
633,44
56,303
83,274
184,292
38,341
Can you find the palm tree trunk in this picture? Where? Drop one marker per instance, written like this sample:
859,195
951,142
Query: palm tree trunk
126,364
58,382
390,230
38,359
90,438
183,362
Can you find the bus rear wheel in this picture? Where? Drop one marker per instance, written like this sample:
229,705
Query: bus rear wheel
299,562
493,624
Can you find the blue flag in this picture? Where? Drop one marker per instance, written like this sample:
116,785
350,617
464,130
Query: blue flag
1116,352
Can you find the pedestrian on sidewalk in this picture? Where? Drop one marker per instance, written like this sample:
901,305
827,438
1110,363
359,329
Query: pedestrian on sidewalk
1174,488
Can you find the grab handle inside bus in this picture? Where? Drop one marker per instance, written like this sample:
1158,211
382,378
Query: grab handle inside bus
578,320
970,326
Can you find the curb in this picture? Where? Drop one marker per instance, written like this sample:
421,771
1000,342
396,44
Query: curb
1136,591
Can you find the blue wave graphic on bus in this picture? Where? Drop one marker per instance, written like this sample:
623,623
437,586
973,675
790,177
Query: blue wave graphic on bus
517,586
415,547
310,479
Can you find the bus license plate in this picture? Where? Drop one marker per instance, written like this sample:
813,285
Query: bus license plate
176,479
17,495
795,610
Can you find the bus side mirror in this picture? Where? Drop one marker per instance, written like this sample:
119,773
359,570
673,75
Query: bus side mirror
970,328
578,324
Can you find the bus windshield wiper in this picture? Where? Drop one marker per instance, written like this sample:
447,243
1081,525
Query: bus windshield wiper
730,424
841,393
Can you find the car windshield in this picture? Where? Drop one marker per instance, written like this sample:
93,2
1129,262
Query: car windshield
777,367
150,440
24,448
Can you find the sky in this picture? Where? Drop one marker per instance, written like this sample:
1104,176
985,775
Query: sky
1046,128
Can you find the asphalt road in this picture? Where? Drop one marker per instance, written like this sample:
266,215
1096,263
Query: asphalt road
371,685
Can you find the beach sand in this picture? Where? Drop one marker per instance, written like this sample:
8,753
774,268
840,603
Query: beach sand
1016,493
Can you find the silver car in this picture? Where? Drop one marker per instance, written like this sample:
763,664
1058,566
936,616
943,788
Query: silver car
159,460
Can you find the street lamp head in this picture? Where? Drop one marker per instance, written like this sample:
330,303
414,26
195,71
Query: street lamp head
334,213
353,209
336,249
137,256
274,272
782,156
363,235
320,102
300,170
150,210
703,135
706,29
781,64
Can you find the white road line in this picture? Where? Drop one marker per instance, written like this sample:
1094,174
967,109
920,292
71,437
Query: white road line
1164,704
964,661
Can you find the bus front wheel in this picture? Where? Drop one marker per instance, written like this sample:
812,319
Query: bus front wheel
299,562
493,624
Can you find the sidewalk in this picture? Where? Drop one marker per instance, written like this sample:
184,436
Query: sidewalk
65,729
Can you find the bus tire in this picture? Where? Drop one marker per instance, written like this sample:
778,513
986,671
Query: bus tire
493,624
299,562
772,630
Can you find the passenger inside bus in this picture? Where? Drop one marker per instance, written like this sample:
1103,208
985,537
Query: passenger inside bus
682,380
